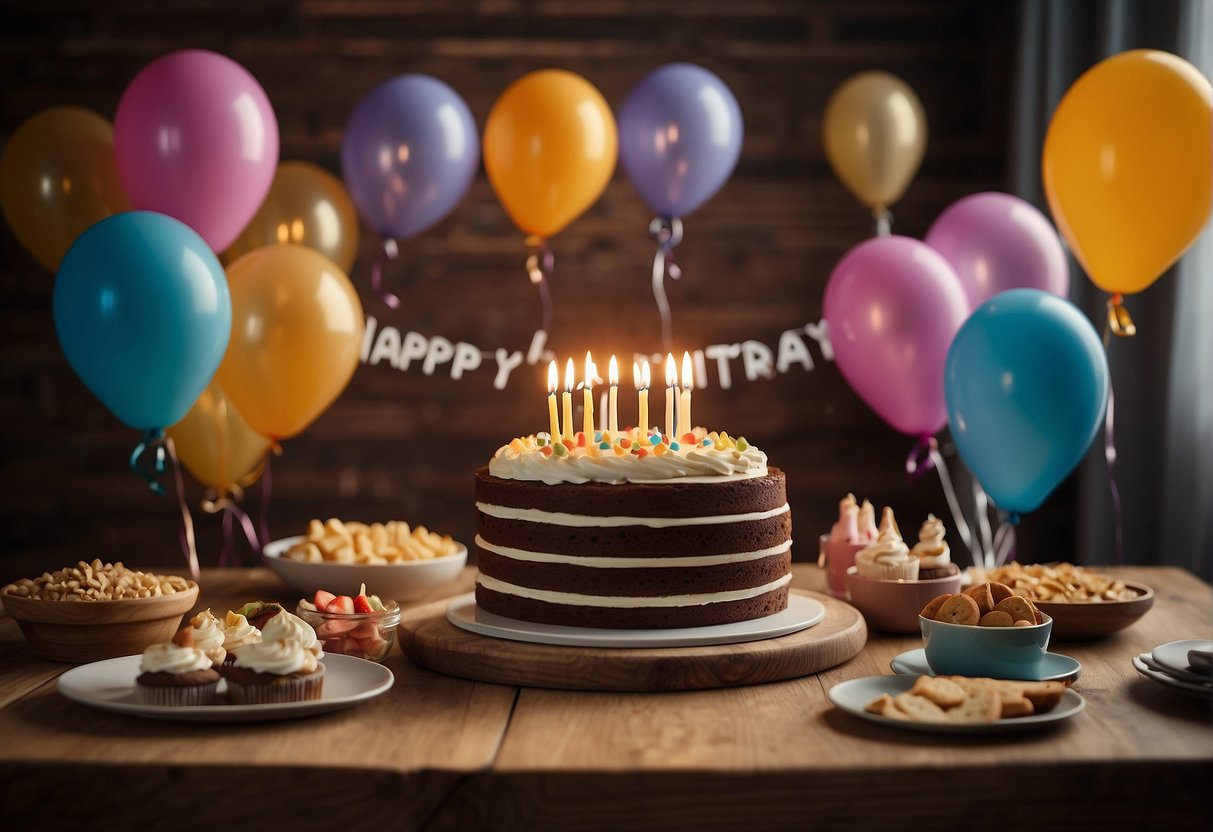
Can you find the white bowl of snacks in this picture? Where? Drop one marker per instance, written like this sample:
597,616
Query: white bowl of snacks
401,562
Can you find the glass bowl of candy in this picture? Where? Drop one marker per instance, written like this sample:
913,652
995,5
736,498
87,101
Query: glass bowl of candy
361,626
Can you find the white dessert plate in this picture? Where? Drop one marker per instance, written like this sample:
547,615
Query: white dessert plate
1179,675
1174,655
853,696
1201,690
802,612
109,685
1054,668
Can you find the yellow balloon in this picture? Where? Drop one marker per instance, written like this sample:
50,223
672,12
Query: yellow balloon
1128,166
549,149
296,336
306,205
875,134
58,176
216,445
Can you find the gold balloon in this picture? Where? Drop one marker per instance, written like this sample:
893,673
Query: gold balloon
306,205
58,177
296,336
216,445
875,134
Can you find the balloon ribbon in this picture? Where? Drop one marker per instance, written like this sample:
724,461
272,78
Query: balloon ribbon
1004,540
539,264
923,457
883,218
1120,322
232,514
667,232
1117,318
159,446
267,482
389,252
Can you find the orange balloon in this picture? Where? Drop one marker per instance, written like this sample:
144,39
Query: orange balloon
58,177
216,445
306,205
297,329
549,149
1128,166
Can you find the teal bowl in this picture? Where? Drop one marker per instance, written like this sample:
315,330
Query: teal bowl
998,652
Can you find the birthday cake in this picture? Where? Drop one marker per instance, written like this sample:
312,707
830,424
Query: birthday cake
633,531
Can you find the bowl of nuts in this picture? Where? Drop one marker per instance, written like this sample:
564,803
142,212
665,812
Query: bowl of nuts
402,562
1083,603
96,610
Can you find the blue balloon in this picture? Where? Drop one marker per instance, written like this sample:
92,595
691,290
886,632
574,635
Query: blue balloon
143,314
409,153
1026,384
680,133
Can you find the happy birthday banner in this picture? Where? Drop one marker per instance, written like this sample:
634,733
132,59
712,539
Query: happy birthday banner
385,345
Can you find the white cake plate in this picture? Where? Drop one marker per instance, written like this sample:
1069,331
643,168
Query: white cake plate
801,613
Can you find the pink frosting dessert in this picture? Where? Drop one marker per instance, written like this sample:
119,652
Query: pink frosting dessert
853,531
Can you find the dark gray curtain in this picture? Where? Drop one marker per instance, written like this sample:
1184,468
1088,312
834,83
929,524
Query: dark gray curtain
1163,378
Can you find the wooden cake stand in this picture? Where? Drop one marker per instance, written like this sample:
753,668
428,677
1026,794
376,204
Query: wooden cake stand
432,641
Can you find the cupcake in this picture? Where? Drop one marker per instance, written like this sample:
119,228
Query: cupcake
260,612
838,549
238,633
273,672
932,552
176,674
208,636
286,626
888,557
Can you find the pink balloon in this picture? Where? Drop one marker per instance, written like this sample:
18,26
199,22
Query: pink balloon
892,307
997,242
196,138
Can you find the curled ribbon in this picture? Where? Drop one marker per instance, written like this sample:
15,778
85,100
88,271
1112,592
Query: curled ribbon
153,446
539,264
232,514
667,232
925,456
189,545
1004,540
389,252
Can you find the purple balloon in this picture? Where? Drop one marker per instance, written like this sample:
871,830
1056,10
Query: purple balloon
409,154
997,242
680,133
196,138
892,307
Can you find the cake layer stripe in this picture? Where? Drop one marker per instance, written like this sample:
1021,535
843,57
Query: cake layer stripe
629,602
632,563
560,518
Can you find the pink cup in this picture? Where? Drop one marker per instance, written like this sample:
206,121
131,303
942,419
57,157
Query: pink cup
837,559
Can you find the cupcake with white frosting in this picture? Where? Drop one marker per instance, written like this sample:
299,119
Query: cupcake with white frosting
932,551
888,557
208,636
285,626
276,671
176,674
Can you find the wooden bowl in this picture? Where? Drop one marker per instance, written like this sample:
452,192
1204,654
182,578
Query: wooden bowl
1078,620
88,631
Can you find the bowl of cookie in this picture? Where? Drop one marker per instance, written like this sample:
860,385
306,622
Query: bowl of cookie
95,610
986,630
1083,603
402,562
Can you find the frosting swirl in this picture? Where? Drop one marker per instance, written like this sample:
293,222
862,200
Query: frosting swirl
238,632
174,659
888,549
867,522
931,549
846,529
287,627
281,657
721,458
208,636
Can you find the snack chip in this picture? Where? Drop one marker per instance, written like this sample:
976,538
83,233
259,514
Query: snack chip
375,544
1060,583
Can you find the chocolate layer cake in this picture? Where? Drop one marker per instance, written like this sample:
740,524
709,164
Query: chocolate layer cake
624,541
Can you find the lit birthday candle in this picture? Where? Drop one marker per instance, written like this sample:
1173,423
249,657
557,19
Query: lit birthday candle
553,421
671,395
613,402
568,401
640,377
684,409
588,422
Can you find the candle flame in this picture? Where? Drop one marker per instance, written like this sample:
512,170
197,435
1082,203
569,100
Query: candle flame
591,371
613,371
688,378
671,371
568,377
646,376
636,375
553,377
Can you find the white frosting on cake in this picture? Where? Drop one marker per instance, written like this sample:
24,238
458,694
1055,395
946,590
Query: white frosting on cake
561,518
629,601
631,563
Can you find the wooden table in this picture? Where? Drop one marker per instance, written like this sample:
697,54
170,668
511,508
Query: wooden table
443,753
